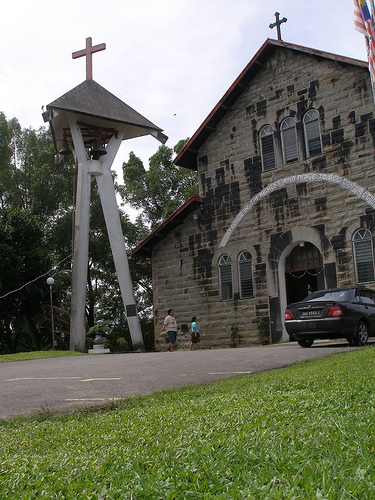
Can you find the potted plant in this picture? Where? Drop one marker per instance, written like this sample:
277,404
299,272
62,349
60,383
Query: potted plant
262,331
233,334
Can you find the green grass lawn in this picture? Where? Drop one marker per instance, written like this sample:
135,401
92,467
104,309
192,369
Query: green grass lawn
304,432
24,356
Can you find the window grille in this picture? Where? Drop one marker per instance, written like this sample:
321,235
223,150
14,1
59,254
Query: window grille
313,138
246,275
267,148
363,256
225,273
289,140
302,258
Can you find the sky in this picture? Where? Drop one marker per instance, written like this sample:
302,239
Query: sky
170,60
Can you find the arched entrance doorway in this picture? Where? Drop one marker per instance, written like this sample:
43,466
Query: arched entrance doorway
303,272
281,261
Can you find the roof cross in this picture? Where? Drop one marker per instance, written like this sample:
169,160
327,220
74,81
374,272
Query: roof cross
278,24
88,52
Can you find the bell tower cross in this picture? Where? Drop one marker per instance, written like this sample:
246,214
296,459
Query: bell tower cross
88,52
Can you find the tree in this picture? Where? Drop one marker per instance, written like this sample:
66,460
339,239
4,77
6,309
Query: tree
8,133
23,257
161,189
30,178
36,194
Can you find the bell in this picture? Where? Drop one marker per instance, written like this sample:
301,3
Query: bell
64,150
98,149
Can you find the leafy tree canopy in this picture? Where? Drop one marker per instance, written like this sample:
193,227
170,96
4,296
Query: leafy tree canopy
29,177
159,190
23,257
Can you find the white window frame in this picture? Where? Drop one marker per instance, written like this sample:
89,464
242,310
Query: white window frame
312,133
225,278
363,254
267,148
245,264
289,140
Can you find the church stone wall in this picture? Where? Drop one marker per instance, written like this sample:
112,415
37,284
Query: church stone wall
230,174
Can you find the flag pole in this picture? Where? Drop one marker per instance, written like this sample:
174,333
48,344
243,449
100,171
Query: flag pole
371,41
364,23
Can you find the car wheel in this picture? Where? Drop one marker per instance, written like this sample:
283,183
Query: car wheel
305,342
362,333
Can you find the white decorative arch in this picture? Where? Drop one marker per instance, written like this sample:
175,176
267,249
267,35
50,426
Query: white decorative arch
351,186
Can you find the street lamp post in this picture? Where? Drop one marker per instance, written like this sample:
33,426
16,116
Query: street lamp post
50,282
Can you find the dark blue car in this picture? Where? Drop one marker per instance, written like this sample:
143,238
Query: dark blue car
332,314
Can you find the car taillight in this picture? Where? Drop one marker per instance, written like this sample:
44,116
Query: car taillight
335,311
288,315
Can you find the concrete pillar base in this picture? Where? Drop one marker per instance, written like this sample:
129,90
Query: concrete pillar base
99,349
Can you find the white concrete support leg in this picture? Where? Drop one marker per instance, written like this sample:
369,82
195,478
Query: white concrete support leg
81,245
102,170
116,238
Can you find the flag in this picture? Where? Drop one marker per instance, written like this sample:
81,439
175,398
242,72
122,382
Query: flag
364,23
359,23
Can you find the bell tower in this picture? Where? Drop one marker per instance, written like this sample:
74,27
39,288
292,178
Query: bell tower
91,123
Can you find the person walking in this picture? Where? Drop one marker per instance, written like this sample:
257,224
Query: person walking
170,324
195,336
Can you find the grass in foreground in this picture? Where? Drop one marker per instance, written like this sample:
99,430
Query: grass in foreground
304,432
25,356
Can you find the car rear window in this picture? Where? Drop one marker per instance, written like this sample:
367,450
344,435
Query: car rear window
337,296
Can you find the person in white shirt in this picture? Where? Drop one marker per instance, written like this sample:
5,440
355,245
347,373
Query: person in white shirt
170,325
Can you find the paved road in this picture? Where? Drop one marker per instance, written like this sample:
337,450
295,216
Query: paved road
62,384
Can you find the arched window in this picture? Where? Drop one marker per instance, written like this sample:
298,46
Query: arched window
267,148
245,272
363,256
225,273
289,140
313,139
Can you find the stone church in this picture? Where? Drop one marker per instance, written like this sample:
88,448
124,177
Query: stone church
286,174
